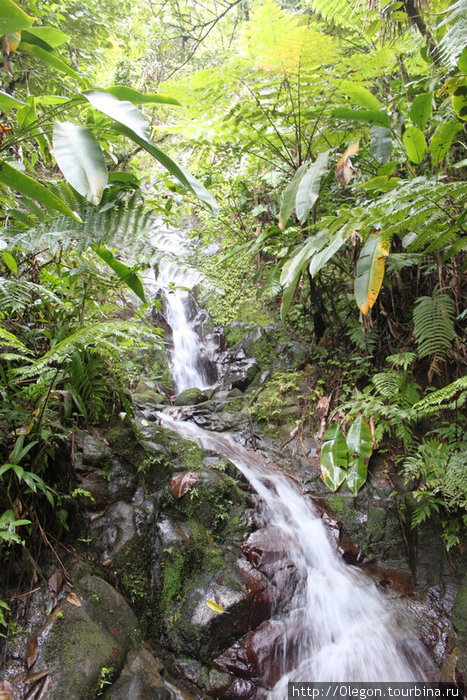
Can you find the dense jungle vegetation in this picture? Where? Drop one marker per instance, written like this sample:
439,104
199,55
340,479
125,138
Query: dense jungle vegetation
321,144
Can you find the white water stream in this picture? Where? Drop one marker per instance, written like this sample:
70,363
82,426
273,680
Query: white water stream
340,628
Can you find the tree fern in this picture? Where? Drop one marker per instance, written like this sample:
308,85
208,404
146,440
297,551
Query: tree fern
434,324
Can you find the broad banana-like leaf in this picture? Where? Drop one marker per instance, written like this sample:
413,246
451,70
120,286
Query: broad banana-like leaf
133,124
369,116
370,271
309,186
13,18
47,37
360,95
50,58
420,110
293,269
126,274
462,62
334,457
360,446
442,140
289,196
31,188
381,143
80,159
320,258
122,92
414,144
8,102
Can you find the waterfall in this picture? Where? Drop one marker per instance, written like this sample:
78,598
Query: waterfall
341,627
190,356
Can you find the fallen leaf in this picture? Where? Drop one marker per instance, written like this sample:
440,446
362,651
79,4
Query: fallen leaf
215,607
33,677
56,581
144,422
6,691
181,483
73,599
32,652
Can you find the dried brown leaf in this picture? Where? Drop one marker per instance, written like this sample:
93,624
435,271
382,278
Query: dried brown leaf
344,168
32,651
181,483
56,581
33,677
72,598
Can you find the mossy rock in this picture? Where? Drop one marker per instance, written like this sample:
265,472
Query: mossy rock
460,625
85,639
191,397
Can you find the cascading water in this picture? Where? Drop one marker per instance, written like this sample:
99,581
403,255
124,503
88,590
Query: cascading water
340,627
189,356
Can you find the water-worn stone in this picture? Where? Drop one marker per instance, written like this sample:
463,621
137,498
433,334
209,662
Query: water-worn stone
140,679
85,639
460,626
190,397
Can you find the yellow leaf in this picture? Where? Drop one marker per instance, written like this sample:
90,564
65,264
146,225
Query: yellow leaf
215,607
370,271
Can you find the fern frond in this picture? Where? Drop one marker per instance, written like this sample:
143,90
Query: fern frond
109,336
439,398
17,295
387,383
453,42
434,324
9,340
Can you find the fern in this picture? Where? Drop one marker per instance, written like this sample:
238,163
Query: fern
453,42
17,295
434,324
440,398
97,335
89,384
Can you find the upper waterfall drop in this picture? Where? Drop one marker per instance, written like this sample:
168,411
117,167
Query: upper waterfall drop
189,355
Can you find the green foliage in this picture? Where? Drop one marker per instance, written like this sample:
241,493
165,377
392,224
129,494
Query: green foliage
346,459
434,324
436,473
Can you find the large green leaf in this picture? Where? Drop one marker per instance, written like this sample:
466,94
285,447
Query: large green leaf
381,143
319,259
8,102
293,269
370,271
334,457
289,196
414,144
80,159
122,92
13,18
360,446
420,110
442,140
309,186
51,59
134,125
31,188
362,115
360,95
126,274
47,37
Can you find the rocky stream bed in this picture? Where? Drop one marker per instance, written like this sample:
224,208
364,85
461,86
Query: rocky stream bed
122,612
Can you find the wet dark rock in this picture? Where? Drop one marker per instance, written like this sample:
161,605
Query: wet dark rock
140,679
460,626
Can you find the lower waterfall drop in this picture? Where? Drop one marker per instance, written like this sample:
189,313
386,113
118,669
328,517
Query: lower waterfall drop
341,627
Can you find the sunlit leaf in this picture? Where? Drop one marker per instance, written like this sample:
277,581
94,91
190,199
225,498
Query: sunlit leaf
9,261
333,458
50,58
45,37
134,125
362,115
289,196
80,159
13,18
360,95
8,102
215,607
294,267
309,186
370,271
123,92
414,144
420,110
